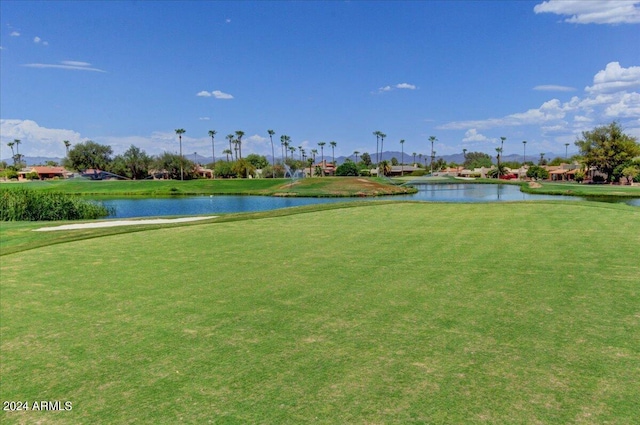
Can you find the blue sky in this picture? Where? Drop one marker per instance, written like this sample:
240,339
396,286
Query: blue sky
123,73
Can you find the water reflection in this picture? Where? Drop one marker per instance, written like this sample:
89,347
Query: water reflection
131,207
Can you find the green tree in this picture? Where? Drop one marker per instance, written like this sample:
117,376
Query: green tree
175,166
225,169
385,167
366,159
630,172
243,168
394,161
347,168
134,164
89,155
607,147
477,160
537,172
257,161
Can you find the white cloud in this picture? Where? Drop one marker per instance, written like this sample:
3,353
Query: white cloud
472,135
552,87
204,118
36,140
37,39
220,95
406,86
75,63
627,107
71,65
615,78
14,34
594,11
401,86
216,93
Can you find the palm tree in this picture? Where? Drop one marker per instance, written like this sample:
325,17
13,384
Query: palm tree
414,157
382,136
419,157
292,149
333,153
524,152
230,139
314,152
273,154
301,151
321,144
464,153
566,150
13,154
377,134
212,134
235,147
402,156
67,144
227,152
17,142
283,139
310,163
180,132
356,153
385,167
432,139
239,134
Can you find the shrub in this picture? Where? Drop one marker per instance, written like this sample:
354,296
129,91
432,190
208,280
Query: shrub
21,204
348,168
418,173
32,176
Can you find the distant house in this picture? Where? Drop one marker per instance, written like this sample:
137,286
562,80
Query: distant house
45,172
399,170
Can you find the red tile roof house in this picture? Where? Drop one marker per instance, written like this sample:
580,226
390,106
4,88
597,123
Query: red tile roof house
45,172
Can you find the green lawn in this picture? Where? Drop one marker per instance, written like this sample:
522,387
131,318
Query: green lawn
382,313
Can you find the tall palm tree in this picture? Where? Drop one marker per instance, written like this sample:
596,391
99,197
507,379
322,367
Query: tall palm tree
17,142
273,154
283,139
432,139
382,136
333,152
239,134
13,154
321,144
301,151
67,144
498,156
377,134
524,152
180,132
227,152
464,154
566,150
235,147
414,157
402,156
230,139
356,153
212,134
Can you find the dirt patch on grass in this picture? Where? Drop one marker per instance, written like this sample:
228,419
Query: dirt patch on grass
535,185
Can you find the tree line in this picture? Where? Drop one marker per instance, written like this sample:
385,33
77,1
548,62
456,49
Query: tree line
606,149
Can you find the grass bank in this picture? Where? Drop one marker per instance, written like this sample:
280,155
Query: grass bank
585,190
380,313
310,187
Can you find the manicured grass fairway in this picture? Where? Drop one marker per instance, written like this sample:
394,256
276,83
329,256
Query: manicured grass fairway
394,313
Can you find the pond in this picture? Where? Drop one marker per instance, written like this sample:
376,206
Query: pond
194,205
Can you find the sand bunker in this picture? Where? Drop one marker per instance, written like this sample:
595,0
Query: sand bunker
121,223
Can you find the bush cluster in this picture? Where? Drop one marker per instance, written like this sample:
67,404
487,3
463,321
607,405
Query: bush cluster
21,204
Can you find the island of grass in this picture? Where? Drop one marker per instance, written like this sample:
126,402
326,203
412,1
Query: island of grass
380,312
308,187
